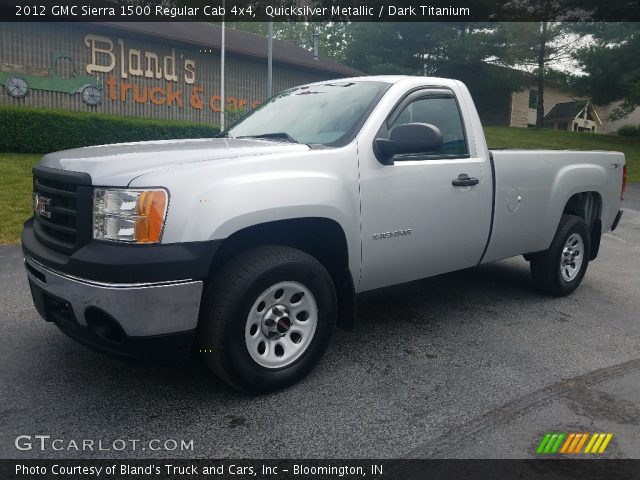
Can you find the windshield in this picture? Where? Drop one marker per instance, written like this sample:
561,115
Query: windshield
329,113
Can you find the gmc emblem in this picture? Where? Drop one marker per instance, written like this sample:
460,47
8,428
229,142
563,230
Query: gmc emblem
41,206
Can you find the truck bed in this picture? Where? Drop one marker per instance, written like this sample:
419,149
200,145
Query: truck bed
543,180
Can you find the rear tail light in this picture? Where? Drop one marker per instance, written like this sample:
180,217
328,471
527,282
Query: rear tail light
624,182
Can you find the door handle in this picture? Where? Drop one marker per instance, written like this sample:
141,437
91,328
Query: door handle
464,180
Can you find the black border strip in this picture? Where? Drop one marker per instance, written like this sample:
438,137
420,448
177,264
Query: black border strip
326,10
341,469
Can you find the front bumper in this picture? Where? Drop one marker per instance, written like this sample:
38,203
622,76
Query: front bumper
130,319
120,298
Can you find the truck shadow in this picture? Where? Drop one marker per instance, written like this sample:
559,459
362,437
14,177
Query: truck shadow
463,297
479,290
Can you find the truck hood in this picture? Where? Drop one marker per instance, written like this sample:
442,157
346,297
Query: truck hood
118,164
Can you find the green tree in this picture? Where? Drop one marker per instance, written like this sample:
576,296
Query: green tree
333,37
465,51
612,66
536,47
390,48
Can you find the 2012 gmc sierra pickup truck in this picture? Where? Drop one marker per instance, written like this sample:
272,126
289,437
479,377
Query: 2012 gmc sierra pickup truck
250,247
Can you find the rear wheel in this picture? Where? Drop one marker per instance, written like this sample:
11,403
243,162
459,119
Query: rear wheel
560,269
267,318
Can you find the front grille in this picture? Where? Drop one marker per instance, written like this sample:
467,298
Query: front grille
65,225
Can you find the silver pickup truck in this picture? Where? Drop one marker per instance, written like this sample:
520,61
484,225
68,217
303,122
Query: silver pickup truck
249,247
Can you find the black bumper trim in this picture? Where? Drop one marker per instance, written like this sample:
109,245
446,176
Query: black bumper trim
153,347
123,263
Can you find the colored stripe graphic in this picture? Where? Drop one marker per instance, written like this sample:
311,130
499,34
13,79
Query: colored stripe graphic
572,443
550,443
567,443
606,441
555,447
598,443
592,441
583,438
543,443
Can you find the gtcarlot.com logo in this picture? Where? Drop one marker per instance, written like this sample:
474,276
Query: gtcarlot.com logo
49,443
574,443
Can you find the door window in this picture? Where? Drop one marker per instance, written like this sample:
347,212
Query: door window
441,112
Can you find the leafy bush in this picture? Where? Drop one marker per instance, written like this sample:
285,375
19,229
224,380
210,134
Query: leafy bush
233,114
38,130
629,131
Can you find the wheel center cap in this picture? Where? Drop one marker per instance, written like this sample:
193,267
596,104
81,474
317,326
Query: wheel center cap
283,325
276,321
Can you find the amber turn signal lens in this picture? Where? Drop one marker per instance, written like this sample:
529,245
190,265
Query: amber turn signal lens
150,210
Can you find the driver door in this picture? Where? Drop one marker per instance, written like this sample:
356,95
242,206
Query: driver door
415,222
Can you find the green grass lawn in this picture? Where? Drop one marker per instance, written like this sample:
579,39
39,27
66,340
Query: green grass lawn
15,193
499,137
15,168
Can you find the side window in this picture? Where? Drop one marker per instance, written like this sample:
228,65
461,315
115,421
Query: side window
443,113
533,98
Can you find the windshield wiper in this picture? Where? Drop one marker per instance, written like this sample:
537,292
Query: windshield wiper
222,135
274,136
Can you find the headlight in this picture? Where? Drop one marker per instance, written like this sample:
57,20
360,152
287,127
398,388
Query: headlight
124,215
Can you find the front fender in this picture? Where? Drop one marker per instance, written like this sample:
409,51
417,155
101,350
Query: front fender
213,200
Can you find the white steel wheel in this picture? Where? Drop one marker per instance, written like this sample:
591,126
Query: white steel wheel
267,318
281,324
560,269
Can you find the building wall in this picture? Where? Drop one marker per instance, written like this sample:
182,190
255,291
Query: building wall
610,126
522,115
26,50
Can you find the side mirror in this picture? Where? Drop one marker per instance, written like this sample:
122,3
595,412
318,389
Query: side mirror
408,138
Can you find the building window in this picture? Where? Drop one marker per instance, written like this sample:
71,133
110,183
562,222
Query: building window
533,98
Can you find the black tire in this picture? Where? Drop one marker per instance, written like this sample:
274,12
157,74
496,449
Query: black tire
546,266
229,298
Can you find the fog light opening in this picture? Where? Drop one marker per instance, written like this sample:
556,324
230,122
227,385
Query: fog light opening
103,325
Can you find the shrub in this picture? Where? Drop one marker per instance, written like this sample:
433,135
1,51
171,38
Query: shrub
39,130
629,131
233,114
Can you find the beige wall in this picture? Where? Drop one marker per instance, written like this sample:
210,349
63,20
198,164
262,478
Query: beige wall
26,48
610,126
522,115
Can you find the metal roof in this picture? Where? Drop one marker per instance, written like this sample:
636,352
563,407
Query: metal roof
208,36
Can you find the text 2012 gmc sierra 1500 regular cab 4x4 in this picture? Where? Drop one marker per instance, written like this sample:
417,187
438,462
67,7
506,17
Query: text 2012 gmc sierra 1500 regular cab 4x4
249,247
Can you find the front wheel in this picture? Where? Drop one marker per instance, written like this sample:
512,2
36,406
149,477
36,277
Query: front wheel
267,318
560,269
